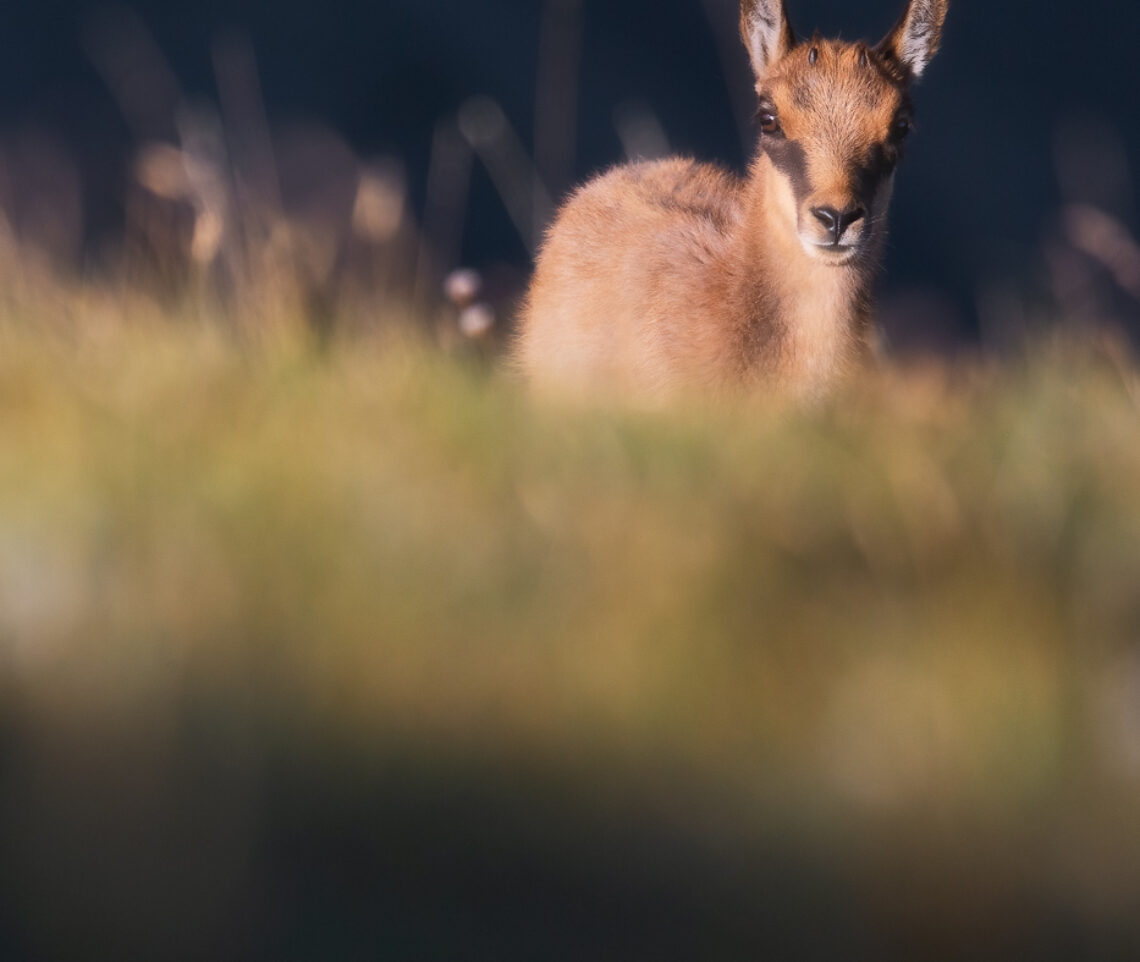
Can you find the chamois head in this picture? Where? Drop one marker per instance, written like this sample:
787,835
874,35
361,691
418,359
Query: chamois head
833,119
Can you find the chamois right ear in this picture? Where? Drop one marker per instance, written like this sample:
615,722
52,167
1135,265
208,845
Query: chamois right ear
916,37
766,32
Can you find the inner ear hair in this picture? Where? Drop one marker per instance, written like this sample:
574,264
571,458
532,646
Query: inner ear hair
915,39
766,31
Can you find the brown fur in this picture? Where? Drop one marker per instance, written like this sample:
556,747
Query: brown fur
677,276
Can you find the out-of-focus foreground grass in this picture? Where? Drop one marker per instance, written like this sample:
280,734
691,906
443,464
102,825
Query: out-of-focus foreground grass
346,649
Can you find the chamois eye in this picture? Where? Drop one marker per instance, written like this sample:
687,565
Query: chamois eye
901,128
769,122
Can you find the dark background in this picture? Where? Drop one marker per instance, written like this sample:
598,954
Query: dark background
977,202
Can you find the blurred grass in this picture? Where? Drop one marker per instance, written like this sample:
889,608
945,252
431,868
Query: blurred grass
899,632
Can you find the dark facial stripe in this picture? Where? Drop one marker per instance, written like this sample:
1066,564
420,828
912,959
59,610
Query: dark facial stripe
868,177
789,159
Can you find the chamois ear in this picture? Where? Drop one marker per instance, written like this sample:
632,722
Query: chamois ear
766,32
915,38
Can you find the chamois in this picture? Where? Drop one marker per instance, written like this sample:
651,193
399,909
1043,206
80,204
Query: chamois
668,276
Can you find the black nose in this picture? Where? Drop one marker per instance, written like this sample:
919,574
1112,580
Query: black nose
837,221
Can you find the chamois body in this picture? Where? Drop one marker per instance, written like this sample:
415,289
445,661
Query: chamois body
666,276
670,276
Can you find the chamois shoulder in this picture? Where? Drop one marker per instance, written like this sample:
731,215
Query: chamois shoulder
678,187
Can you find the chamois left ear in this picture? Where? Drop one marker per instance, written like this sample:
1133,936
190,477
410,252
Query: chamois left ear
766,32
915,38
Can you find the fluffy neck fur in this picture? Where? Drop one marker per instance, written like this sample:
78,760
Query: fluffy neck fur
819,312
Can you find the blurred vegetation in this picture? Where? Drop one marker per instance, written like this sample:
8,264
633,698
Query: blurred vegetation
327,645
321,639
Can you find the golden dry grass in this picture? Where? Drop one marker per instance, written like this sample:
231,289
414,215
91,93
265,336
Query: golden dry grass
898,633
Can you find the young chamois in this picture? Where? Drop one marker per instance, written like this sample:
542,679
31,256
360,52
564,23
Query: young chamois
672,276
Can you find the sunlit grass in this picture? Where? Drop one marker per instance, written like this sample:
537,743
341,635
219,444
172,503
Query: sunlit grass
911,613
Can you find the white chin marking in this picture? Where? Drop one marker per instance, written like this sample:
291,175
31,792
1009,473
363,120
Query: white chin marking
826,254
